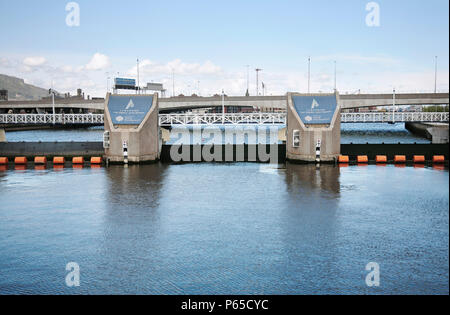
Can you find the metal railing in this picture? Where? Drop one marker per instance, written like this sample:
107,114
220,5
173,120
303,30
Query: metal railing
223,119
166,120
48,119
394,117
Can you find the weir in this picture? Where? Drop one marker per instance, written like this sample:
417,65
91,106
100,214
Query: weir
251,153
313,127
132,132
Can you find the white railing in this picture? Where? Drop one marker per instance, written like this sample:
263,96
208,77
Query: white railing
219,119
47,119
280,118
394,117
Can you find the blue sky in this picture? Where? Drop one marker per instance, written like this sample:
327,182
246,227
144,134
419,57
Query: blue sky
212,41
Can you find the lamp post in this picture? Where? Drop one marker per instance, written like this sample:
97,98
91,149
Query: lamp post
335,77
223,107
393,107
52,92
248,78
257,80
309,75
173,82
435,73
137,67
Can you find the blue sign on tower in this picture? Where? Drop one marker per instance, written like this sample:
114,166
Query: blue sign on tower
315,110
129,110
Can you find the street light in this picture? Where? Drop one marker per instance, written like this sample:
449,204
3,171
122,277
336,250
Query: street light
393,106
248,79
309,74
435,74
223,107
52,92
335,77
257,80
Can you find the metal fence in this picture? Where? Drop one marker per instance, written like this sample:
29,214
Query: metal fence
48,119
394,117
223,119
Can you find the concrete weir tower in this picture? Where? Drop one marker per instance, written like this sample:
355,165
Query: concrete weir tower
132,132
313,127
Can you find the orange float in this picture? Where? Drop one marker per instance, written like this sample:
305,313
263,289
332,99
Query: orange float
363,159
59,160
78,160
40,160
96,160
438,159
381,159
419,159
21,160
400,159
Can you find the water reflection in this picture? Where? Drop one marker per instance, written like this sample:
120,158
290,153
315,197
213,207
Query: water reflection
131,226
324,177
309,226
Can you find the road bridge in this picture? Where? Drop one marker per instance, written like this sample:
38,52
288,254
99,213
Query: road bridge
259,103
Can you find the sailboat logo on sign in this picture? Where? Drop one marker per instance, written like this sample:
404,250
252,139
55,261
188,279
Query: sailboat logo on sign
130,105
314,104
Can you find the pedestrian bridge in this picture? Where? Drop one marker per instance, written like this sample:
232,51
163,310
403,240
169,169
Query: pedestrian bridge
168,120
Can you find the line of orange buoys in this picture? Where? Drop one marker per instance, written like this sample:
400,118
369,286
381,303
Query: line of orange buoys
41,162
399,161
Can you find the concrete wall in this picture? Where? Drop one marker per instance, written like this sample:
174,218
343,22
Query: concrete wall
144,143
89,149
2,135
390,150
438,133
330,135
51,149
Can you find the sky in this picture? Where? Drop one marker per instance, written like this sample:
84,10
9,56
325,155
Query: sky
204,46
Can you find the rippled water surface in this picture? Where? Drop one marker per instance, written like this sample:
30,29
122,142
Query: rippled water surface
225,229
351,133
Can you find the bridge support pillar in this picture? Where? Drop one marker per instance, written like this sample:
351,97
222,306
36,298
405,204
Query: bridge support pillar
2,135
132,132
313,127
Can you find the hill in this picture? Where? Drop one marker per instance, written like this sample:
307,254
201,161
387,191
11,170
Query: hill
19,90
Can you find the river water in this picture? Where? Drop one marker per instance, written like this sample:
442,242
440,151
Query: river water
238,228
351,133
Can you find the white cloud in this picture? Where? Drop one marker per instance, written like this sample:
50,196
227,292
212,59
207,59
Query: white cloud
148,67
360,59
98,62
34,61
207,78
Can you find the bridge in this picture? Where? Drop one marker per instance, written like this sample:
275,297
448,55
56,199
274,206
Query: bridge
263,103
280,102
168,120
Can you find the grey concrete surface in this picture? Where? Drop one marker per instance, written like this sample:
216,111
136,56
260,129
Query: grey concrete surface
330,135
144,143
261,102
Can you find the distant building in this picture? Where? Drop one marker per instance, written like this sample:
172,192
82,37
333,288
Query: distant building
3,95
79,96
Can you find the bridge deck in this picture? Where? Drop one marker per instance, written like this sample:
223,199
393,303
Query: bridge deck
278,102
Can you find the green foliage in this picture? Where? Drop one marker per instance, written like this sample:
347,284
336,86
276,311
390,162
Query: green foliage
435,108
